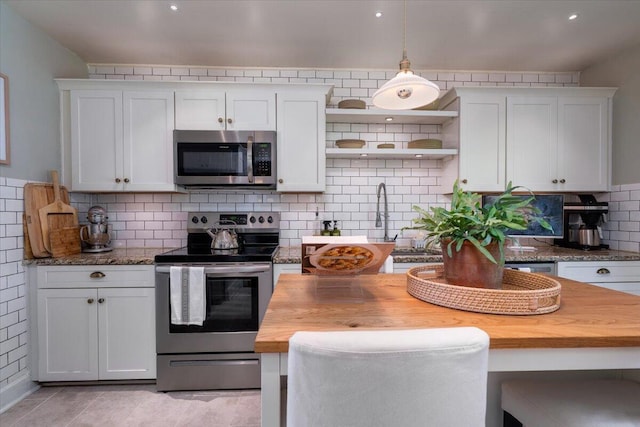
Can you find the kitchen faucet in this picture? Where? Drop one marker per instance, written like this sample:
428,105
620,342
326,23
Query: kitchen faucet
383,188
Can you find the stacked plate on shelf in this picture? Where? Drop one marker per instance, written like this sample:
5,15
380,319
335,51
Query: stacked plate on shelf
350,143
425,144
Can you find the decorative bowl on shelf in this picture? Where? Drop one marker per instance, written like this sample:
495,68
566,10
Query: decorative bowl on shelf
386,146
353,104
350,143
426,143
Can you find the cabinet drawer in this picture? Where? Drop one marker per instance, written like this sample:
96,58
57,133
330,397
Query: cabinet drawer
600,272
100,276
628,287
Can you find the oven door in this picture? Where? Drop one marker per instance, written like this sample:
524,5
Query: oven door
236,295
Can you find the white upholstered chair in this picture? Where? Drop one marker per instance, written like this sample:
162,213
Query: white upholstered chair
571,403
390,378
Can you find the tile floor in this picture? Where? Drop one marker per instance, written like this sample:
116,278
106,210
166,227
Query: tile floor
133,405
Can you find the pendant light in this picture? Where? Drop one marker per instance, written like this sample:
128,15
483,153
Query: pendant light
406,90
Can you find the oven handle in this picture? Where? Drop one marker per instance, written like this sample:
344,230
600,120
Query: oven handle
223,269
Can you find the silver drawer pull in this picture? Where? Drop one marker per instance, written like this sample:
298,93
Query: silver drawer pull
97,275
603,271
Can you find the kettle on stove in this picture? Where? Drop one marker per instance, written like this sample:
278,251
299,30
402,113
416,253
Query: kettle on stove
223,237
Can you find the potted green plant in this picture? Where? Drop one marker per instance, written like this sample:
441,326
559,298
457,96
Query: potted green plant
472,236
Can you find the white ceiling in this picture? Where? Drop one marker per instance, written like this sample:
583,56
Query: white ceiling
507,35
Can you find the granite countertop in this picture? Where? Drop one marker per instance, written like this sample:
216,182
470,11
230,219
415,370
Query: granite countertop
123,256
291,255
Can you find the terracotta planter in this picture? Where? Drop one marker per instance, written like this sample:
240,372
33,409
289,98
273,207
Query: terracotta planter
470,267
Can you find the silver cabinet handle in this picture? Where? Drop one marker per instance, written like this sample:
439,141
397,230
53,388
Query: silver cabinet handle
97,275
603,271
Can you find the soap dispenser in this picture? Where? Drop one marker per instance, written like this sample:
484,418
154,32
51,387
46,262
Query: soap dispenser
335,231
327,230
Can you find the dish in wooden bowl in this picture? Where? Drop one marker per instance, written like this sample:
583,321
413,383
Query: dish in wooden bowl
344,258
350,143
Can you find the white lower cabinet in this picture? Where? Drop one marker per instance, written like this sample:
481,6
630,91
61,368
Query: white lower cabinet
279,269
96,323
617,275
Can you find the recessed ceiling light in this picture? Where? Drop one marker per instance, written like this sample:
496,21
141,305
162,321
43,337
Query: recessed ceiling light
419,156
389,119
573,16
174,7
378,14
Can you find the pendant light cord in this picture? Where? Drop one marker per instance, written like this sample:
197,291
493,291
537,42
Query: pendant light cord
405,65
404,35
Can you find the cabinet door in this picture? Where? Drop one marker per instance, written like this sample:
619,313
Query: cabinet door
96,140
301,142
127,348
532,142
148,141
482,143
583,152
200,110
67,334
252,109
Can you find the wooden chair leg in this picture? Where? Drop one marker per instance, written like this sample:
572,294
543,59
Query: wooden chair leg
509,420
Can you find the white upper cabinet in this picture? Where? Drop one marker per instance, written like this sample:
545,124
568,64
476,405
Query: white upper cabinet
479,135
546,139
118,140
301,140
566,138
226,109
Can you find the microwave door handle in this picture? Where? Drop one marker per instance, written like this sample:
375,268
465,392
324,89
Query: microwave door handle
223,269
250,159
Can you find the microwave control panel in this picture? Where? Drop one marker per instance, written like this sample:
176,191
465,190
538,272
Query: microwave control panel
262,159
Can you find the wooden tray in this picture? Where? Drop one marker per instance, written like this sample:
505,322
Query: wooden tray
521,294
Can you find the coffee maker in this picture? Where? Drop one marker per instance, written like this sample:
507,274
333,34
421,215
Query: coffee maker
95,236
582,224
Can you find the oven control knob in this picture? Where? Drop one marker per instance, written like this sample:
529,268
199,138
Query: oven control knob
194,219
252,220
204,220
270,219
261,220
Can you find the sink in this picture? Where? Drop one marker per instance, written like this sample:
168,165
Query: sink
414,251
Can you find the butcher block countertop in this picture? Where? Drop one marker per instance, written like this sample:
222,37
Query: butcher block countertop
589,316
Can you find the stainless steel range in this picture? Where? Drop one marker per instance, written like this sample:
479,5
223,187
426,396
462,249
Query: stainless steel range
210,302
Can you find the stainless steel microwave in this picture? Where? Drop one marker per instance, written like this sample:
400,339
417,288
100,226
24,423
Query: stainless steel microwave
224,158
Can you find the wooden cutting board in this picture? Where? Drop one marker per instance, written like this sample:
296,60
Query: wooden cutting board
36,196
64,241
56,215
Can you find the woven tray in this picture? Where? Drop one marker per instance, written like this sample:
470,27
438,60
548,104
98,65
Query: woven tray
521,294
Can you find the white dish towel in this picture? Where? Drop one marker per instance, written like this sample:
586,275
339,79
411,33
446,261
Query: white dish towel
187,295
